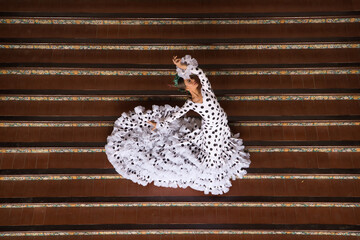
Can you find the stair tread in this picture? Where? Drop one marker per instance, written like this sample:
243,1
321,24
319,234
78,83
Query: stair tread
320,30
212,6
248,133
113,108
139,83
350,55
321,160
237,217
121,187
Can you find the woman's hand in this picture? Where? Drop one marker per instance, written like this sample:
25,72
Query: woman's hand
152,123
177,62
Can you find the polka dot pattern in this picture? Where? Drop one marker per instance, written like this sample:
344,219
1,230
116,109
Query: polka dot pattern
182,151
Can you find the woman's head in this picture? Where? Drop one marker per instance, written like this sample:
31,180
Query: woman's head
190,84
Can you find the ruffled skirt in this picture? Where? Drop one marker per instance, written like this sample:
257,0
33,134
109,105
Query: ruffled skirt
172,156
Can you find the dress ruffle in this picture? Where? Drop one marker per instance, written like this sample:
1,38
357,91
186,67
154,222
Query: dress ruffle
171,156
191,63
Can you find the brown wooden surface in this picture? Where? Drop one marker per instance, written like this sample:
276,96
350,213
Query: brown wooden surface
179,215
232,108
161,82
123,187
188,6
190,237
258,160
180,31
164,57
99,134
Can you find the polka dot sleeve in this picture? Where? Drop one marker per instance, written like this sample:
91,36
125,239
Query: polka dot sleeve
184,109
203,79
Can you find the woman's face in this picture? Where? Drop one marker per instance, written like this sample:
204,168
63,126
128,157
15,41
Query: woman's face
191,84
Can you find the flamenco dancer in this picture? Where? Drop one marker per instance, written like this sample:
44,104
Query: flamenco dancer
162,147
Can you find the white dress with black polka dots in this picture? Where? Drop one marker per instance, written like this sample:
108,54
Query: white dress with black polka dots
182,151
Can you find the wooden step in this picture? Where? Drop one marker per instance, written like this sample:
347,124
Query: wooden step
187,234
177,7
28,186
248,133
141,82
295,160
232,108
189,213
315,30
164,57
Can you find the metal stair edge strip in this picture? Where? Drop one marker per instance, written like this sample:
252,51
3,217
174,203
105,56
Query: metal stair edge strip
182,204
252,144
285,123
179,15
167,70
249,176
188,21
243,97
251,149
288,46
180,232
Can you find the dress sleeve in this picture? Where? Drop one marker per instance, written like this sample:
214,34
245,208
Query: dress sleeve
203,79
184,109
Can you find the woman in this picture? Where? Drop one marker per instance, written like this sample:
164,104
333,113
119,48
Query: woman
159,146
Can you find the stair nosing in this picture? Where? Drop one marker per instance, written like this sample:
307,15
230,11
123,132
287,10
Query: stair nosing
166,42
179,16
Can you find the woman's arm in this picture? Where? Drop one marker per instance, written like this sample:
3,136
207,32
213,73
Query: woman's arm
205,83
184,109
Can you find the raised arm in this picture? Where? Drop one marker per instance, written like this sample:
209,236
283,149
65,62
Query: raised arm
203,79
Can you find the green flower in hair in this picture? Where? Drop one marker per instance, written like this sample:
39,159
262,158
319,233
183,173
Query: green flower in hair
176,83
176,80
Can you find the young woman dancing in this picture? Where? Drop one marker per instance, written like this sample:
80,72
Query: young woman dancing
162,147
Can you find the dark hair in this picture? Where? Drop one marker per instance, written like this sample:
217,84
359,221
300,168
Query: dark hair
181,84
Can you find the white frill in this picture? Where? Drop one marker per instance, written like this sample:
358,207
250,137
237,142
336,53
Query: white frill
191,62
170,156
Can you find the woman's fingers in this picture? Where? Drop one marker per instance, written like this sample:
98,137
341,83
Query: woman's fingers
176,60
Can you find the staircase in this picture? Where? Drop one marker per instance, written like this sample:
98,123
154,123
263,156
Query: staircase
287,73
